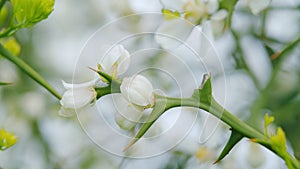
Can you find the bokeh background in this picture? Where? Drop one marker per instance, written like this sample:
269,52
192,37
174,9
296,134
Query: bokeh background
245,80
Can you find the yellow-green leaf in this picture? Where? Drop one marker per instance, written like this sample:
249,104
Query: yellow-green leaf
268,121
26,13
278,141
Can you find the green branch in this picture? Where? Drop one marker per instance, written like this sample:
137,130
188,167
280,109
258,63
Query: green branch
29,71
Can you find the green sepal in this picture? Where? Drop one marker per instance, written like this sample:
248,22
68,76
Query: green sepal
235,137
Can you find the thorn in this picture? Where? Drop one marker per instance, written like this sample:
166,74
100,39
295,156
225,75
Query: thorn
275,56
95,70
128,146
205,77
216,162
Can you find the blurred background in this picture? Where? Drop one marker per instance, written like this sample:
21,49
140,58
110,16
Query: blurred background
245,80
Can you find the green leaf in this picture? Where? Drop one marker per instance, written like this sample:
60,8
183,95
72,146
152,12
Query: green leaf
159,108
29,12
235,137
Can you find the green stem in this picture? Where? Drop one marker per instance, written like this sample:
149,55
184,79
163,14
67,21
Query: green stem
243,128
29,71
217,110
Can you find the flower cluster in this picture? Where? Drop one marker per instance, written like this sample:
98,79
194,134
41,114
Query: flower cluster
136,91
181,16
181,19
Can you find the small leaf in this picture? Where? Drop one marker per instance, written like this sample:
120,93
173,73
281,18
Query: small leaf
268,121
169,15
278,141
235,137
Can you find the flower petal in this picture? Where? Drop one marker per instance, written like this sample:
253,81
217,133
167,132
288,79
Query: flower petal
128,110
256,6
175,5
115,55
78,98
81,85
172,33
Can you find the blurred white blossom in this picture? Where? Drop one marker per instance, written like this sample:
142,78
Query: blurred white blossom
256,6
179,22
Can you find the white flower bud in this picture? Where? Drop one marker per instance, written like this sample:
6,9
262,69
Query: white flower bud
138,90
77,97
116,61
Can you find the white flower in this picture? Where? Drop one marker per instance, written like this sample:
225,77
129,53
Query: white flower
127,114
77,97
177,29
138,90
256,6
115,61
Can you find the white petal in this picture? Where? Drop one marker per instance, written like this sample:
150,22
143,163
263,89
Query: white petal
124,62
128,110
256,6
66,112
172,33
220,15
137,90
175,5
123,123
77,98
212,6
118,54
206,40
218,22
81,85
